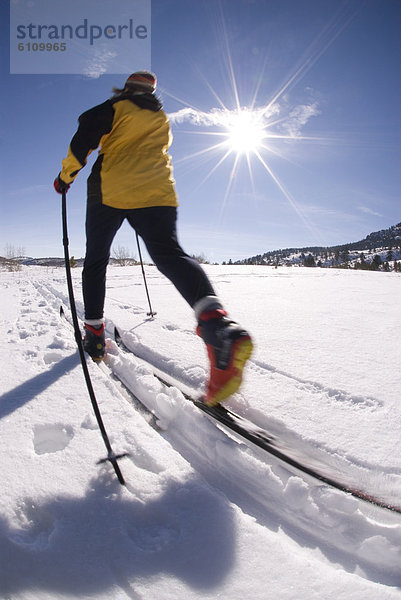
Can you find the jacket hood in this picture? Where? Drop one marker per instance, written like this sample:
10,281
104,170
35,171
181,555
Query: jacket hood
145,100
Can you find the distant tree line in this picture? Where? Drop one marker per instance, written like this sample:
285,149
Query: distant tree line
11,261
368,254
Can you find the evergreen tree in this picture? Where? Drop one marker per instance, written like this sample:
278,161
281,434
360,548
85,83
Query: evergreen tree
345,256
309,261
376,262
337,256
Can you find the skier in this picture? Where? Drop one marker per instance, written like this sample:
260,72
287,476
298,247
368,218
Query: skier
132,179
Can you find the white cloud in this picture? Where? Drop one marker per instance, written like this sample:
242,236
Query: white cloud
369,211
298,117
290,124
98,63
31,189
197,117
219,116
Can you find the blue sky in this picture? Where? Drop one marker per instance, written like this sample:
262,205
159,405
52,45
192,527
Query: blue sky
321,80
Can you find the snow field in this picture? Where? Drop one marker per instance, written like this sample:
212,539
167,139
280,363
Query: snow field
203,515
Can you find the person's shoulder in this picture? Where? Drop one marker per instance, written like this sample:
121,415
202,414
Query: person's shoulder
100,110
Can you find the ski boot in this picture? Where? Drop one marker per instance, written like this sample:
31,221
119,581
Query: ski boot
228,347
94,341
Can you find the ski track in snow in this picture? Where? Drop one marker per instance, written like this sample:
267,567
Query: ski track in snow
347,532
194,377
263,486
313,387
286,384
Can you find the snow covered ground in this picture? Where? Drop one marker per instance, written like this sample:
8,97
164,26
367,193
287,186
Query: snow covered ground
202,515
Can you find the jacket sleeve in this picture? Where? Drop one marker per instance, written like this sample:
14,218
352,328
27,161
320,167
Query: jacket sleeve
93,125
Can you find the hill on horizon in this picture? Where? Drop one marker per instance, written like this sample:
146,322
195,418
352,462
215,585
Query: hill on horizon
376,250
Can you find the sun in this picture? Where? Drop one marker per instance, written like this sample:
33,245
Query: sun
245,131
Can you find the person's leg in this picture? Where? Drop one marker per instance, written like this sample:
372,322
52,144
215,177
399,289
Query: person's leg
102,224
157,228
228,345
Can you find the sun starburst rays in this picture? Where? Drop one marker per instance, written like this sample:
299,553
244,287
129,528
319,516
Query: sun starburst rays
257,136
245,133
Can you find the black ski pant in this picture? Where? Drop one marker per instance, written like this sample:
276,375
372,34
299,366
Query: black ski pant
157,228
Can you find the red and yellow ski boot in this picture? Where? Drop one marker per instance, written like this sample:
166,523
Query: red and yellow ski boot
94,341
228,347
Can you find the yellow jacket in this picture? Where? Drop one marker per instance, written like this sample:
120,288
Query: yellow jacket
133,169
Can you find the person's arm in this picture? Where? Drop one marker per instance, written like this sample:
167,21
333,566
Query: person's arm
93,125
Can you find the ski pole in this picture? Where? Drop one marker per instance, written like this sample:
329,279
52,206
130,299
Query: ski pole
111,457
150,313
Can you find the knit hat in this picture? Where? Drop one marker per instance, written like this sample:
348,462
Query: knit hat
145,80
